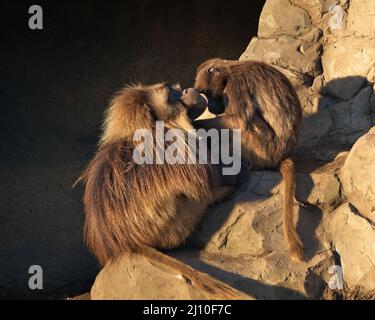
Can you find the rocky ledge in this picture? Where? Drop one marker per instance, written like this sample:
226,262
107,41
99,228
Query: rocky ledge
327,49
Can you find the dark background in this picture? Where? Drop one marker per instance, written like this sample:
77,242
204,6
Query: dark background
54,86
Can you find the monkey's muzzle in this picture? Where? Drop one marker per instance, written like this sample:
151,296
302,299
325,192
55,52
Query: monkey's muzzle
195,102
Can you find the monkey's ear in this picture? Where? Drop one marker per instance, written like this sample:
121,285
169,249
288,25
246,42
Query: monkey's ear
213,71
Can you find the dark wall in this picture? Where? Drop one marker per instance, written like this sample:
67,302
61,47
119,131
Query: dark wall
54,86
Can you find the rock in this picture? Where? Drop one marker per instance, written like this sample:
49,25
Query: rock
285,52
317,123
319,275
134,277
84,296
354,240
316,10
228,230
242,227
358,175
272,276
322,63
351,118
250,224
318,83
318,186
346,64
280,18
361,17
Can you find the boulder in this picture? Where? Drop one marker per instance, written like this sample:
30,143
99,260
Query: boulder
280,18
317,122
361,17
297,55
135,277
351,118
346,65
316,9
358,175
316,184
324,63
354,239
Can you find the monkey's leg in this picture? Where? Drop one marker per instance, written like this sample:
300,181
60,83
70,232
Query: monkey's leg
213,288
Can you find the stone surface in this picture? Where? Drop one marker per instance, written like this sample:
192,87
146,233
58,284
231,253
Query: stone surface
134,277
318,186
351,119
354,239
316,9
361,17
328,51
274,22
271,276
285,52
84,296
317,122
346,64
358,175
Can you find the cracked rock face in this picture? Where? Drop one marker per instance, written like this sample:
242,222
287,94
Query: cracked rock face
327,49
330,45
358,176
354,239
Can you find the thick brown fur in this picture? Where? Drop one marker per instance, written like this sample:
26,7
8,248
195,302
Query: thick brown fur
133,207
262,103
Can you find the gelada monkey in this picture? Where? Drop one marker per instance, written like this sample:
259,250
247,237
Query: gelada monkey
260,101
140,208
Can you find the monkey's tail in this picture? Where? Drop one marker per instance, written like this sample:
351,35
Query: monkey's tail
295,244
214,289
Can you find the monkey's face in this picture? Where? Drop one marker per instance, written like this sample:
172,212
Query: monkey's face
211,78
168,103
178,102
164,101
138,107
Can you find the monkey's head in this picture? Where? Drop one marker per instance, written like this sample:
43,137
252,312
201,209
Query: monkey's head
139,107
211,77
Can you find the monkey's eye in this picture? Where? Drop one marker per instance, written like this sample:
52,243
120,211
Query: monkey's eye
212,71
174,95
